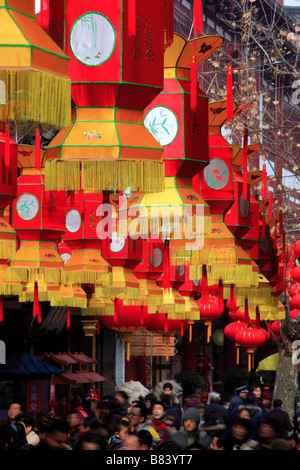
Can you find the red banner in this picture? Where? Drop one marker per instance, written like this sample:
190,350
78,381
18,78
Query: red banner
34,397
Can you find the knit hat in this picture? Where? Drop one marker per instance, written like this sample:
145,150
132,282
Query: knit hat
192,413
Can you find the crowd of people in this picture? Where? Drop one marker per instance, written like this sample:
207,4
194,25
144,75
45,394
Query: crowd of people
156,423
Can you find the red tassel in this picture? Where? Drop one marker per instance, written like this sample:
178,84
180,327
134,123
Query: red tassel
245,164
98,327
43,17
68,318
275,239
166,278
35,300
283,242
264,183
198,16
116,311
39,312
280,222
37,150
247,318
7,146
131,17
169,22
166,326
229,97
263,230
142,316
194,84
220,297
181,328
270,205
1,308
204,283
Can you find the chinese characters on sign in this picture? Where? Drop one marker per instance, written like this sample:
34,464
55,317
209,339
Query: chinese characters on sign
33,397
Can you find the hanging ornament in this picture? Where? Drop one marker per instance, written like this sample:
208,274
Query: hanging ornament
198,16
264,183
231,48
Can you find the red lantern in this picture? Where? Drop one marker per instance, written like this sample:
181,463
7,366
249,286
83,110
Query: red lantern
209,310
275,327
295,302
251,338
294,313
127,320
231,329
295,273
296,248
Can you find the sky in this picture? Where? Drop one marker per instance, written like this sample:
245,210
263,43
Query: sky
292,3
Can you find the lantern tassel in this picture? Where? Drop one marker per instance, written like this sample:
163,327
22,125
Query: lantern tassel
194,84
270,205
131,17
220,296
169,22
264,183
229,96
245,164
166,278
98,327
68,318
7,146
198,16
37,149
275,239
43,17
35,300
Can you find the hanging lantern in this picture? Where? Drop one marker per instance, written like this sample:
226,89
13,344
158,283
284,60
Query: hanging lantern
209,311
106,148
296,249
37,86
295,273
127,320
251,338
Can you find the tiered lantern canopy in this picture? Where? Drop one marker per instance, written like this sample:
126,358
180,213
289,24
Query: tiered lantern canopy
113,79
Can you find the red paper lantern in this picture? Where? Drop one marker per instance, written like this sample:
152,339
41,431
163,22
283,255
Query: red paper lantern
231,329
251,338
296,248
295,302
294,313
295,273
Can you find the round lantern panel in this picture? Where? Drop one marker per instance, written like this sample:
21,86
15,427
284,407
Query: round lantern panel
264,244
244,206
156,258
162,123
92,39
73,221
27,206
216,174
65,257
117,243
218,337
180,270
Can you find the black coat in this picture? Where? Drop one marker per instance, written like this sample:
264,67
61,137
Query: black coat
283,419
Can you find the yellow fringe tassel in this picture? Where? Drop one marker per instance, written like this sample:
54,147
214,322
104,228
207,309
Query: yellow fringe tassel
36,96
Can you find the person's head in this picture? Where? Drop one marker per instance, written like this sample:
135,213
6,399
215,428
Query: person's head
142,440
191,419
26,420
270,430
214,397
241,429
167,388
74,419
89,424
294,441
122,397
13,410
158,410
277,403
256,390
54,432
91,442
149,401
251,398
122,430
137,415
244,413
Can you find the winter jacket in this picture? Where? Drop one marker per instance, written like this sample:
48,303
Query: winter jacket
184,439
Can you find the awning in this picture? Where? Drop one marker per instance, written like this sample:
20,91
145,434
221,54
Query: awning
269,363
79,378
27,364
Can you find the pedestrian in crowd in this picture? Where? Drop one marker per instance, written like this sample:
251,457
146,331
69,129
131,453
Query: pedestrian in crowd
149,402
74,419
235,402
13,410
90,441
211,424
18,438
269,431
137,420
244,412
256,390
172,403
121,433
88,424
54,433
282,417
157,421
215,408
242,435
122,398
190,432
28,422
257,415
142,440
191,401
